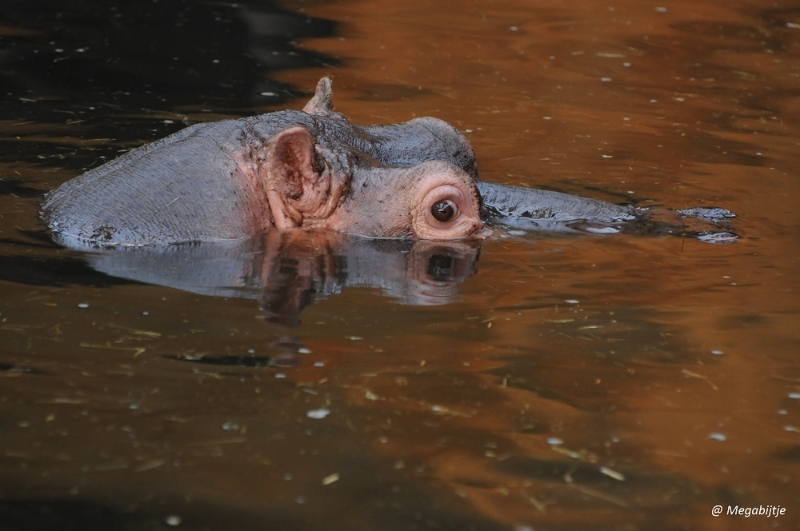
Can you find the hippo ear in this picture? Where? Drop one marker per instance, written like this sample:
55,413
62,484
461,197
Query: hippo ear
321,103
296,180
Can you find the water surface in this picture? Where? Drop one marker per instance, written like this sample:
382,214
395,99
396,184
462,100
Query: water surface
622,382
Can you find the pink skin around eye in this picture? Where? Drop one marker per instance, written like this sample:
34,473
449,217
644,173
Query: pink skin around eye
457,192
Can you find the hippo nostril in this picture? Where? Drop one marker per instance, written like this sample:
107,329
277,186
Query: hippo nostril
444,210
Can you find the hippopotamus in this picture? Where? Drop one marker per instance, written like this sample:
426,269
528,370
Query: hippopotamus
309,169
313,169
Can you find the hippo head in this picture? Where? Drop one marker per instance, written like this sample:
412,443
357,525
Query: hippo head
312,186
289,169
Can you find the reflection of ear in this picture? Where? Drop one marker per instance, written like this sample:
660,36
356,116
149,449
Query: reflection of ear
295,181
321,104
296,266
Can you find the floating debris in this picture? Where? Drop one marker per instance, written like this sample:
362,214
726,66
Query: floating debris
612,473
369,395
717,436
318,413
333,478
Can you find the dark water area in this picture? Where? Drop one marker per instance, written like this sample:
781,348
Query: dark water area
131,71
530,382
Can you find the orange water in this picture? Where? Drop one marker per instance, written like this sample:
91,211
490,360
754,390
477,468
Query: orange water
581,383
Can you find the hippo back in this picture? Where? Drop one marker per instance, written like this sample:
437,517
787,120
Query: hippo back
185,187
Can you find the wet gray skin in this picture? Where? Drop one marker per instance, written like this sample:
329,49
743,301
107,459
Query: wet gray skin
233,179
310,169
530,209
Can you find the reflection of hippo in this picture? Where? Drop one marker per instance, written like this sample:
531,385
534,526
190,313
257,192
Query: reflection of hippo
312,169
286,270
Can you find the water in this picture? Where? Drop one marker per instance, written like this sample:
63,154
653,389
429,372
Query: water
604,382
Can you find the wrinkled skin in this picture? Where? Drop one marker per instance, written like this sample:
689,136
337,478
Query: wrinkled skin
313,169
291,169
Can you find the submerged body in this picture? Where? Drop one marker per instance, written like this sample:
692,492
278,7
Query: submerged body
309,169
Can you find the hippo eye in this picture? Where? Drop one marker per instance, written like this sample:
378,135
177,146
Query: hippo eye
444,210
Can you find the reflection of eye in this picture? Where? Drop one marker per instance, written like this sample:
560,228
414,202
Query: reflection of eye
444,210
440,267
